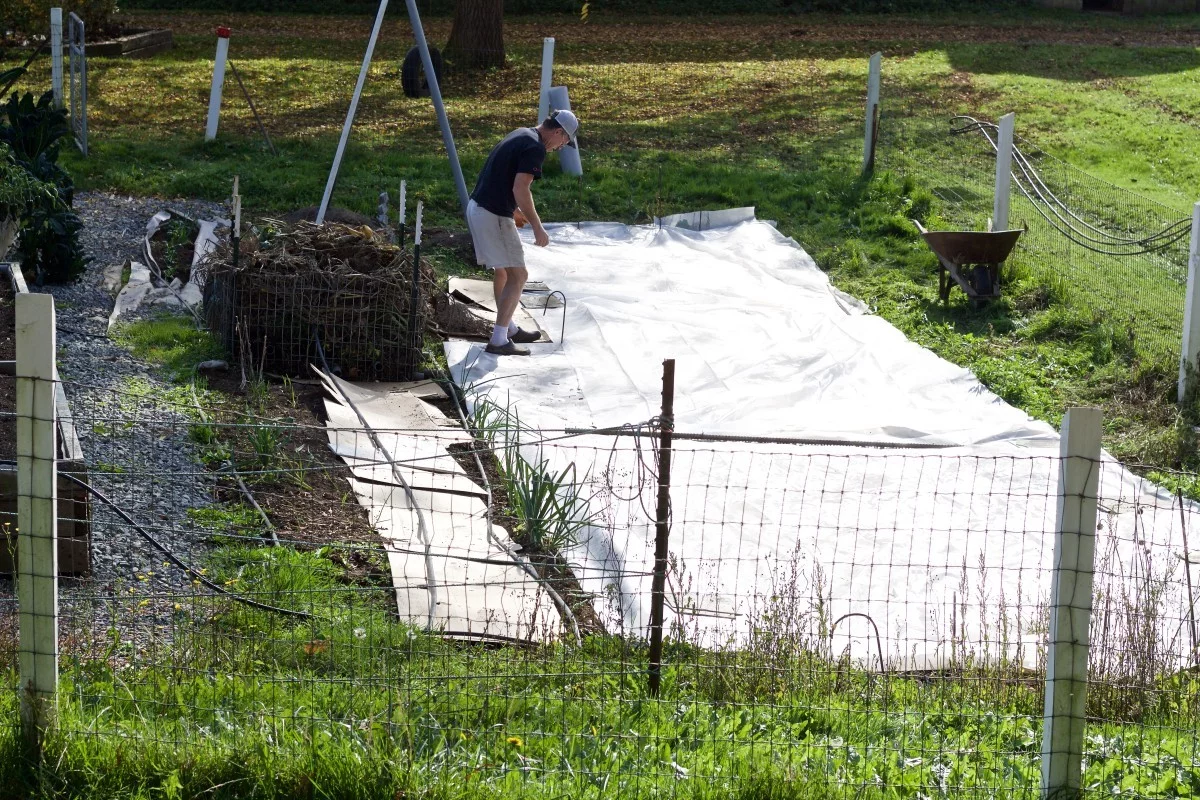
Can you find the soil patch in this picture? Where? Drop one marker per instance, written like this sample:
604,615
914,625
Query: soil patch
302,486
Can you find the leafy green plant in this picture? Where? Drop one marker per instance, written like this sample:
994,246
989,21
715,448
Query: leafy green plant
49,245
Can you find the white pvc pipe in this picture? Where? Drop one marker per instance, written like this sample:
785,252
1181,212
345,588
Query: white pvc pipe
547,73
358,87
218,84
568,157
56,55
403,191
1003,173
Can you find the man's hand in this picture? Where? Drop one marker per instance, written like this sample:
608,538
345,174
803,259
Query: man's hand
540,237
519,218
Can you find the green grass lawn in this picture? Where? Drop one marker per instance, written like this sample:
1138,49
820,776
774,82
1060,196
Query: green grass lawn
352,704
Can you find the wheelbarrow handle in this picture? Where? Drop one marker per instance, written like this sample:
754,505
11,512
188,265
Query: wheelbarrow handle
920,227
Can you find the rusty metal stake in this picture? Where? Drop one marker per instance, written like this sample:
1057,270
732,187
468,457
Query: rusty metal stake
662,532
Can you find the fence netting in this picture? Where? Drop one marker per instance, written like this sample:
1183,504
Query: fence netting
840,621
1118,256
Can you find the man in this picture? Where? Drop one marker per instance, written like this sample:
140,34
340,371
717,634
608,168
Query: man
504,186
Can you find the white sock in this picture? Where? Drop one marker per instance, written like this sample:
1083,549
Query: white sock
499,335
512,327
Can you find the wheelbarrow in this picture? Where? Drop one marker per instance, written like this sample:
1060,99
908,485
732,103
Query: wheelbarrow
970,259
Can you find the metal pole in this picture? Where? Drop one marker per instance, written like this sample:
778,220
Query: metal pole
358,87
1191,312
414,319
547,73
435,93
37,516
218,84
400,229
262,128
1064,715
658,588
56,55
1003,173
873,74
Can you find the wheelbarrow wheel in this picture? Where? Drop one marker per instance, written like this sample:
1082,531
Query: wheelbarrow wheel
981,280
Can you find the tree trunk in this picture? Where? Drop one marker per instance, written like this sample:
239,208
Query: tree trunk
10,226
477,35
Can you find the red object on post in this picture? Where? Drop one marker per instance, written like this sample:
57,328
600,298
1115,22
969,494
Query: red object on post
224,31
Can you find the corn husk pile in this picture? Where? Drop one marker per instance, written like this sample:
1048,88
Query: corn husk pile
345,286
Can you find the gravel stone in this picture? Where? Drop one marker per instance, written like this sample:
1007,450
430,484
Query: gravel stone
136,446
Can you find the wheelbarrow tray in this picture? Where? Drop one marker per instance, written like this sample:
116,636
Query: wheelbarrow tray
972,247
970,259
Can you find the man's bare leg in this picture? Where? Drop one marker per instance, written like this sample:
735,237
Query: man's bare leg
510,296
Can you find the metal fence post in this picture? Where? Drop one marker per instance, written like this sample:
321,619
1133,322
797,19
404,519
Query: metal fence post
56,55
77,75
658,590
1191,312
435,94
1071,604
37,518
1003,172
547,77
870,132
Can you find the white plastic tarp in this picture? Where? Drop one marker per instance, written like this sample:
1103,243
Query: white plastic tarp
934,548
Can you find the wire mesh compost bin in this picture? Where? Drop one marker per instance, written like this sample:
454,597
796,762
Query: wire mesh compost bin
339,288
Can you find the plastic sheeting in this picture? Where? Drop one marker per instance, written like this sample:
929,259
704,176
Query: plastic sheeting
912,553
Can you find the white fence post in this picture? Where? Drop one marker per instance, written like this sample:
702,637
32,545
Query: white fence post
1071,604
1003,173
547,77
1191,312
37,514
873,77
56,55
218,83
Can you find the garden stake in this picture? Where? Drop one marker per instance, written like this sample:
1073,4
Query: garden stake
400,230
662,525
414,331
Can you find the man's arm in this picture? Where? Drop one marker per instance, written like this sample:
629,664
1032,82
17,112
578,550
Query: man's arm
524,197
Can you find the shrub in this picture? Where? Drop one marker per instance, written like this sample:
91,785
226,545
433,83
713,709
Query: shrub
49,230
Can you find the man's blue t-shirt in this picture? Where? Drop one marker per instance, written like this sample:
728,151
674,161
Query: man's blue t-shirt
520,151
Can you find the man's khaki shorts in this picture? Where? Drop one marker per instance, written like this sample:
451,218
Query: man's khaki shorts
497,245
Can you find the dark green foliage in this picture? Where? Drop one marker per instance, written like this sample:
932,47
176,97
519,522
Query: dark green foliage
49,248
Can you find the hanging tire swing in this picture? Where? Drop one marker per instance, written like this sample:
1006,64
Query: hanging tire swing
412,72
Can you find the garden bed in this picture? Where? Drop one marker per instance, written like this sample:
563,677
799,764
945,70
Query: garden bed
132,43
74,504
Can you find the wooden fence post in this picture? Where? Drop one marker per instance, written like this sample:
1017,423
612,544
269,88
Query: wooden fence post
37,515
1071,604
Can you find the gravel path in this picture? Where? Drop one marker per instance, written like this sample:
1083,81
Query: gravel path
135,443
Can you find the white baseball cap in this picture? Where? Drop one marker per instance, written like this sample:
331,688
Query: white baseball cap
569,123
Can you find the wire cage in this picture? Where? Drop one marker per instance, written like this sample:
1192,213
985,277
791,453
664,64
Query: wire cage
340,296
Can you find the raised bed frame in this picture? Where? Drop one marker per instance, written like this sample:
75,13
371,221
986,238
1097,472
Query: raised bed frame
74,502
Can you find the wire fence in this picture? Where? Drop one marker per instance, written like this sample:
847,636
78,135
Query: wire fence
285,604
1100,248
